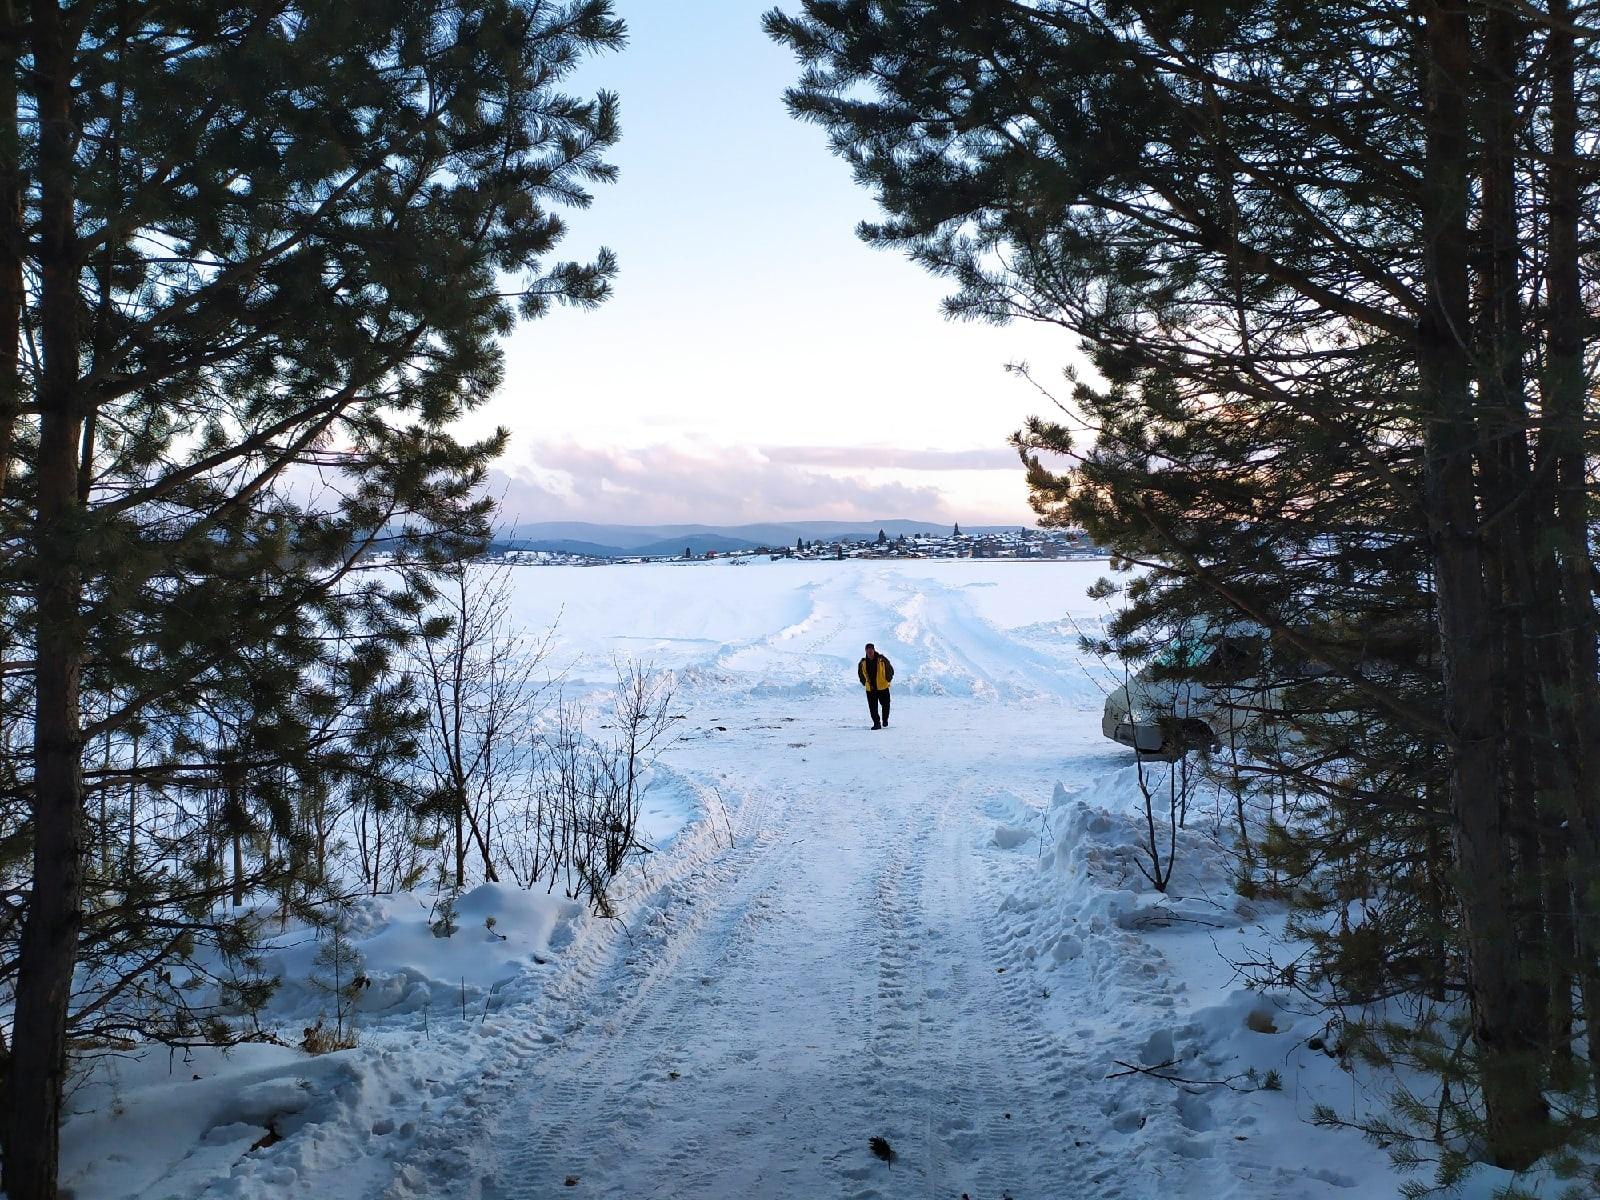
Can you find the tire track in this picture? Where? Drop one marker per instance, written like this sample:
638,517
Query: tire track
451,1157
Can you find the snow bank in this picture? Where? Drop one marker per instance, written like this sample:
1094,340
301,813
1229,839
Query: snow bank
410,968
155,1123
1206,1070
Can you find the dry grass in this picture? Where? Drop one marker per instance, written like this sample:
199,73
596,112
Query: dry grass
320,1039
1261,1021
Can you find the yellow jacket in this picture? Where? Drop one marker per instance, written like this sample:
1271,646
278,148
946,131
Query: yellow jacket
883,673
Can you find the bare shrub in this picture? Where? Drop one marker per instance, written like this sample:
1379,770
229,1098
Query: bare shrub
586,792
1166,808
477,677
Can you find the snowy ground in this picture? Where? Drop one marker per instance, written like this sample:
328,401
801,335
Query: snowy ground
932,934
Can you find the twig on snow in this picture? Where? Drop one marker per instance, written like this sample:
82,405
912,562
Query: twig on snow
1160,1071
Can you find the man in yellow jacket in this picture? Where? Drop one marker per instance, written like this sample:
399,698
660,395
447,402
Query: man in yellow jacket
875,671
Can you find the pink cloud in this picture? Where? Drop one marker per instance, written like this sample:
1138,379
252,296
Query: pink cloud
993,458
661,485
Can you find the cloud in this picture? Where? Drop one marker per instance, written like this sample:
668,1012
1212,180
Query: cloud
660,485
993,458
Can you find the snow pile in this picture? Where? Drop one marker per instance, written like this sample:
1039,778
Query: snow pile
1194,1068
154,1123
1197,1067
266,1119
1086,911
501,931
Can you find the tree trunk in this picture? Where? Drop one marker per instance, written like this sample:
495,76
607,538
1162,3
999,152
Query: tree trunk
133,808
11,241
1559,958
1508,489
1515,1112
11,301
50,932
460,817
1565,386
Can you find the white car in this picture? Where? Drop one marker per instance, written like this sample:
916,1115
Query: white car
1193,696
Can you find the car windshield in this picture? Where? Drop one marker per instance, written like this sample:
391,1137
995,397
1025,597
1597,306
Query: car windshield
1182,655
1227,659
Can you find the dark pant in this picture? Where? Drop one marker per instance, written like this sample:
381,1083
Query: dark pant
878,702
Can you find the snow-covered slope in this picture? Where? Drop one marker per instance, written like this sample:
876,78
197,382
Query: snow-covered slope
935,934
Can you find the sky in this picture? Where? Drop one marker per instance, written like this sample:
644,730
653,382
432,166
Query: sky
756,362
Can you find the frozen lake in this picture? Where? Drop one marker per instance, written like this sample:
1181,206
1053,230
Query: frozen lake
990,629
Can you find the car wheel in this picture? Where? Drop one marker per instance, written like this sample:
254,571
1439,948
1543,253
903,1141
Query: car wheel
1195,734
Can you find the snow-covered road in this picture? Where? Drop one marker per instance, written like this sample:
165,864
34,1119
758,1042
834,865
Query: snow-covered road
831,976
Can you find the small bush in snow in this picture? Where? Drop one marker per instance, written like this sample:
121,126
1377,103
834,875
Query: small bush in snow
444,923
319,1039
588,792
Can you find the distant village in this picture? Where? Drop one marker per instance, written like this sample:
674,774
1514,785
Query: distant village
1030,544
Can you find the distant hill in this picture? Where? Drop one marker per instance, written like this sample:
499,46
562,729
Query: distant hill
583,537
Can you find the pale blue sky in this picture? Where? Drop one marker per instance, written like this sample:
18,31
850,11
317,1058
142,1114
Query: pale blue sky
757,361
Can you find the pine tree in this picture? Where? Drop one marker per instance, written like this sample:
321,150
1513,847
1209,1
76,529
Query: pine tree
258,240
338,974
1337,363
